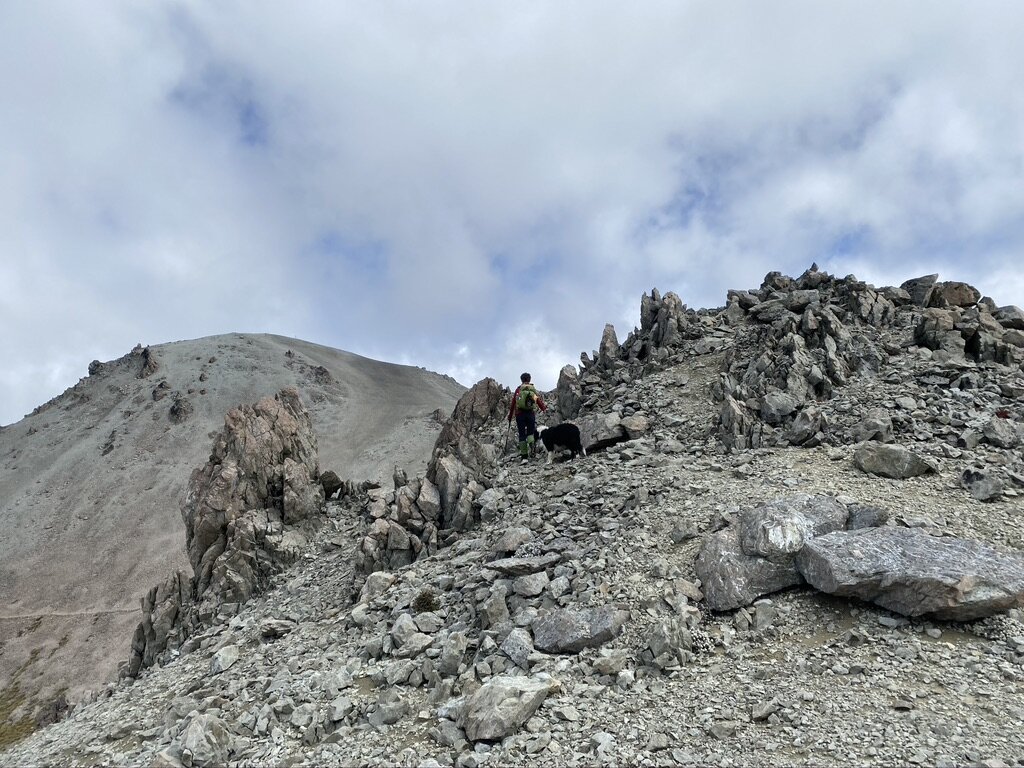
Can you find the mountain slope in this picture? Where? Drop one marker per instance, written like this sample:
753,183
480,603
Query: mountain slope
90,483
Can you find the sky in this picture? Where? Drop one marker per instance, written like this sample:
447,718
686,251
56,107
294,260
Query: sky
477,188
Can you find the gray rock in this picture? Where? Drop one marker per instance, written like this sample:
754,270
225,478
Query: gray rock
778,530
530,585
520,566
982,484
568,393
206,741
670,643
570,630
877,425
601,430
731,578
501,706
920,289
893,461
1010,317
1001,433
512,539
776,406
224,659
518,646
913,573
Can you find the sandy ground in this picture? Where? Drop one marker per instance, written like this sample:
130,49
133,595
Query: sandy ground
91,485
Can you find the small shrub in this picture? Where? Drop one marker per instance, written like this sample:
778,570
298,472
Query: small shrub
426,602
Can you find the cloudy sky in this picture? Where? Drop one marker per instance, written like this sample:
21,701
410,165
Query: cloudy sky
478,188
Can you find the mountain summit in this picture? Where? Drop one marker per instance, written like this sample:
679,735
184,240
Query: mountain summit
91,482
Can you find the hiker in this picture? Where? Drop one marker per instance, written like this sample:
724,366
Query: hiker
525,402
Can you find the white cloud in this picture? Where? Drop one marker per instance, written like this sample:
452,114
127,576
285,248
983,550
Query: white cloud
409,180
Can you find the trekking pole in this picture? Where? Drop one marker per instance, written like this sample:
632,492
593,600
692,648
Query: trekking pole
507,433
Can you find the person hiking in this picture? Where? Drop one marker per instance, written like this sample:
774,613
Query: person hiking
526,400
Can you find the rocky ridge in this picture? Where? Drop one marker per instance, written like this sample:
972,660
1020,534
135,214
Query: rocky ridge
557,614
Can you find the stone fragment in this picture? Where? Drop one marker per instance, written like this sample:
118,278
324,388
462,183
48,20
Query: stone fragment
501,706
1001,433
206,741
893,461
520,566
530,585
512,539
518,646
224,659
1010,317
776,406
570,630
912,573
920,289
877,425
983,485
670,643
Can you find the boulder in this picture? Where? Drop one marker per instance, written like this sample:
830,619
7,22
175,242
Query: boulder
893,461
910,572
1001,433
776,406
982,484
920,289
206,741
502,705
755,557
876,425
1010,317
570,630
954,294
601,430
331,483
568,393
608,351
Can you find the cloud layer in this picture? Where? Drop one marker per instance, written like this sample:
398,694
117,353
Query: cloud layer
479,188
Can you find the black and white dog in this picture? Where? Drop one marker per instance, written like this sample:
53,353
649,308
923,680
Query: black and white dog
561,436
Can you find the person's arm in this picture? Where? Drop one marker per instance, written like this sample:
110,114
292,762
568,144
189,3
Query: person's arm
512,407
541,403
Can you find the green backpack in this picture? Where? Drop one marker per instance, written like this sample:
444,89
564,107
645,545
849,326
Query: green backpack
527,400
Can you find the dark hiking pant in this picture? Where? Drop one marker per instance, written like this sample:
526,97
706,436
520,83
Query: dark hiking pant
526,426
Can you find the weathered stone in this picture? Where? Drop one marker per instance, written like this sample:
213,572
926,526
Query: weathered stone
1001,433
982,485
518,646
530,585
520,566
512,539
920,289
893,461
1010,317
779,529
331,483
599,431
670,643
206,741
570,630
954,294
224,659
776,406
731,578
568,393
910,572
877,425
501,706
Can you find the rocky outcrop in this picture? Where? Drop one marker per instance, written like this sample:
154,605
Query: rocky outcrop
247,513
568,393
913,573
419,516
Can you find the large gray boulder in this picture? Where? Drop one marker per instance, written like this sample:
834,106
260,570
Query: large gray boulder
912,573
920,289
206,741
501,706
1010,317
601,430
893,461
569,393
756,556
570,630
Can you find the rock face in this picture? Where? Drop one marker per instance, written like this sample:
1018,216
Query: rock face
913,573
247,516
